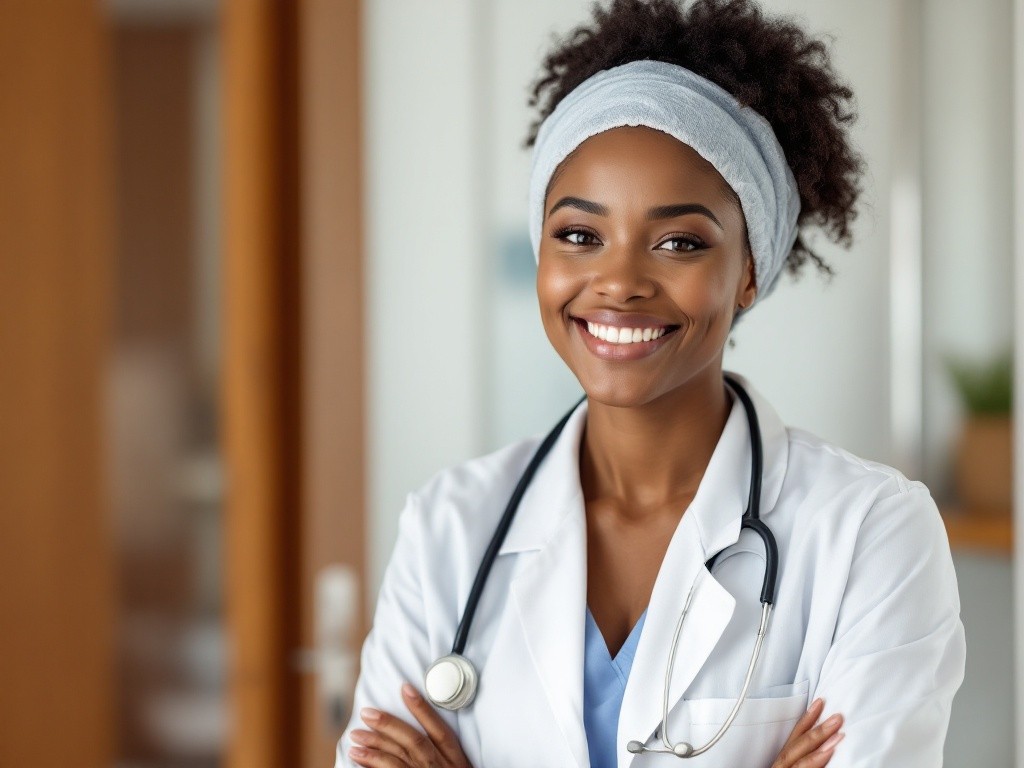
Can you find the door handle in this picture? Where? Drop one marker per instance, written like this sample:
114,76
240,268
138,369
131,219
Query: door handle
333,660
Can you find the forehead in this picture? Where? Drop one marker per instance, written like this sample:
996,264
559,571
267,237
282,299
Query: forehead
636,160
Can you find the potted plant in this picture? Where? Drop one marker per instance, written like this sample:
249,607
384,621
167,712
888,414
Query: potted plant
983,464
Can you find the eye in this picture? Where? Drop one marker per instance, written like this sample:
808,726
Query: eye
690,243
568,232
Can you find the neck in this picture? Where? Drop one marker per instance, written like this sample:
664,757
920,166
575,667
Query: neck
648,456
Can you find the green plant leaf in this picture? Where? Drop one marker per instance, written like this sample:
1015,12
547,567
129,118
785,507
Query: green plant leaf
984,387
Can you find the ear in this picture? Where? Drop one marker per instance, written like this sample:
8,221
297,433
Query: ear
747,289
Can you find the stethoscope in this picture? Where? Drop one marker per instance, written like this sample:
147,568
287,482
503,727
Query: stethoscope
451,681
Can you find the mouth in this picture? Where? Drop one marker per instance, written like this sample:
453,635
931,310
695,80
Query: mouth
612,342
619,335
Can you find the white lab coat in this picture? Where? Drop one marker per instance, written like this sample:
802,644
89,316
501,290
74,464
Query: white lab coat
867,613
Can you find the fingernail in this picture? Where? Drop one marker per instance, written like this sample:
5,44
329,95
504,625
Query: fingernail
834,720
832,741
409,691
369,714
357,752
816,703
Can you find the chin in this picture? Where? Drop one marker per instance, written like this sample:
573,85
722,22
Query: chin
617,396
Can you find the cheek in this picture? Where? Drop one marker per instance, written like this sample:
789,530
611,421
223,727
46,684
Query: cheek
705,294
556,286
708,301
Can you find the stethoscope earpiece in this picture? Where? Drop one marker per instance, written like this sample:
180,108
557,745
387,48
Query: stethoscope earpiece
450,682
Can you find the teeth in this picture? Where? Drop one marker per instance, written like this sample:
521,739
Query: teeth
617,335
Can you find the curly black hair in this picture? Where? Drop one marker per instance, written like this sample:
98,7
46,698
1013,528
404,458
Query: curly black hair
768,63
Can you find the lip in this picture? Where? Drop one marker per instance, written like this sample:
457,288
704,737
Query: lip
622,319
607,350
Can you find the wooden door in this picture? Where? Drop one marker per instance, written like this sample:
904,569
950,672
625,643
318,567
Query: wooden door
56,272
293,376
333,333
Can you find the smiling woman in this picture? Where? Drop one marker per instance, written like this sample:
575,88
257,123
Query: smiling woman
537,595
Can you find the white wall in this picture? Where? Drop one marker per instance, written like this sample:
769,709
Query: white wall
968,301
968,310
425,247
820,351
529,386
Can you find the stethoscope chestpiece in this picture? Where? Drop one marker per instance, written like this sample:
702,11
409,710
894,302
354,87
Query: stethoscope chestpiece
450,682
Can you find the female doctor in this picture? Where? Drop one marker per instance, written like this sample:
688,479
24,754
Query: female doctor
631,610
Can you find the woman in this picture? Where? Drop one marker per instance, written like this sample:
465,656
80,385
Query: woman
678,155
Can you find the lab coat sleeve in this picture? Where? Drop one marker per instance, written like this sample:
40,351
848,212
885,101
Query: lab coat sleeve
397,647
898,652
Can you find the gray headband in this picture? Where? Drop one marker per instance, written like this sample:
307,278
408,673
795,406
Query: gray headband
736,140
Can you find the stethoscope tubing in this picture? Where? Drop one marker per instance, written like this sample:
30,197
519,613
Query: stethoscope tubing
466,673
491,553
751,519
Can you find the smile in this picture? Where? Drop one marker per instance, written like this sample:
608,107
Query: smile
620,343
614,335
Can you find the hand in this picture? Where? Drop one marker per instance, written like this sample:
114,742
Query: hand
809,747
393,743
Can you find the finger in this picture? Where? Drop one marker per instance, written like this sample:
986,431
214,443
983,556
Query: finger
371,758
803,744
822,756
419,749
815,738
384,738
815,760
444,738
833,740
378,742
810,717
788,755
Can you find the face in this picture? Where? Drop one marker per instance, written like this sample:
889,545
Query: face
642,240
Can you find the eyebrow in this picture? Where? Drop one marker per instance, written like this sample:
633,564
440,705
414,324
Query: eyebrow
654,214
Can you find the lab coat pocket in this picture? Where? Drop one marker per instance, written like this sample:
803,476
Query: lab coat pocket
755,737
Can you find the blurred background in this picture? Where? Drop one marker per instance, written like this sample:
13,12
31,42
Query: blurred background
264,269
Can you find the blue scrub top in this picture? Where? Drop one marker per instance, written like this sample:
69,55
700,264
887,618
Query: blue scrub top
604,683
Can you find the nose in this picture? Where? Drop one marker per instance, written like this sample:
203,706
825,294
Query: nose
621,274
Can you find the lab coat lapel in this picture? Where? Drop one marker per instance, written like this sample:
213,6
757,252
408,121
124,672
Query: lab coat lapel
710,524
709,613
550,597
550,590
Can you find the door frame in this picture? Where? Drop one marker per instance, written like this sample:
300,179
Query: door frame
293,425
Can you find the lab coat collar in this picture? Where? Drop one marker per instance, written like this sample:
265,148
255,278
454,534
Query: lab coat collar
550,589
554,492
721,497
556,487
